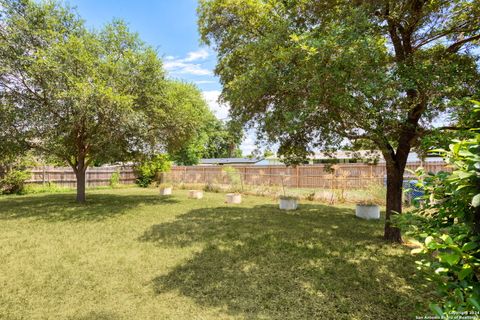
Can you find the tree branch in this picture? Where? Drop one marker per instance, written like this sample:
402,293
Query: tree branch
457,45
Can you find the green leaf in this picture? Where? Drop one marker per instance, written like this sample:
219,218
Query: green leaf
462,186
455,148
446,238
469,246
465,272
463,174
437,151
416,251
449,258
476,200
436,309
474,303
441,269
429,242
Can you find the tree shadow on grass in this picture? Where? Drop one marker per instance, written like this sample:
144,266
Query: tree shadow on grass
62,207
319,262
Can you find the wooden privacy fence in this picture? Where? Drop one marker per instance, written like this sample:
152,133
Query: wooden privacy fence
65,177
343,176
340,176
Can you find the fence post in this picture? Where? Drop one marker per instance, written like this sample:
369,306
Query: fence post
371,174
298,178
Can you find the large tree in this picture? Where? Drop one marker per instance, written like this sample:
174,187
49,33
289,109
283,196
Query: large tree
223,139
311,74
213,138
83,96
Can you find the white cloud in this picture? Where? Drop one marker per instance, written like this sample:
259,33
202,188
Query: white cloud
220,110
204,81
180,67
200,54
186,65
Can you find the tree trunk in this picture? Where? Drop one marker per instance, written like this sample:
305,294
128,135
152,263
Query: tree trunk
395,172
80,170
80,186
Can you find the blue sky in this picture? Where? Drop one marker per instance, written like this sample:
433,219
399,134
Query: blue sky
171,27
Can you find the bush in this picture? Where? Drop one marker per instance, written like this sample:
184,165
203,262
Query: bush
448,226
14,181
149,170
211,187
114,179
234,178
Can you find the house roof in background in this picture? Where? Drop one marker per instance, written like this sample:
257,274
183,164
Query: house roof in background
359,154
230,160
342,154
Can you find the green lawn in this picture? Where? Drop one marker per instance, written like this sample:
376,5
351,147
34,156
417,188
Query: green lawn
129,254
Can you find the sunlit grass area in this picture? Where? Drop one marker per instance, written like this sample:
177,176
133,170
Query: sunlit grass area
130,254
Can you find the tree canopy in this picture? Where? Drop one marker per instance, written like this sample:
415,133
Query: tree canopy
84,95
217,139
213,138
311,74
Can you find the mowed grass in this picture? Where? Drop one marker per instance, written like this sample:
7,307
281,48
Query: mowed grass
130,254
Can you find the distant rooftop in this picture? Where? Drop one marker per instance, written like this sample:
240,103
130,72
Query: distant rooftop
230,161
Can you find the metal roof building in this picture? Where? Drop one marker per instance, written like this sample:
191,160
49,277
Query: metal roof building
229,161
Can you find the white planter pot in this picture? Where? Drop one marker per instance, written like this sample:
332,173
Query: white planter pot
195,194
235,198
166,191
288,204
367,211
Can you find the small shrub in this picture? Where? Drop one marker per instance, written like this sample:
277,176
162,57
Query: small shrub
211,187
14,181
340,195
148,171
115,179
310,196
234,179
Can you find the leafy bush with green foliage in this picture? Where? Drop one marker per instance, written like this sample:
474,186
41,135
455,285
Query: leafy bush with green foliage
448,226
234,178
149,170
211,187
114,179
14,181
